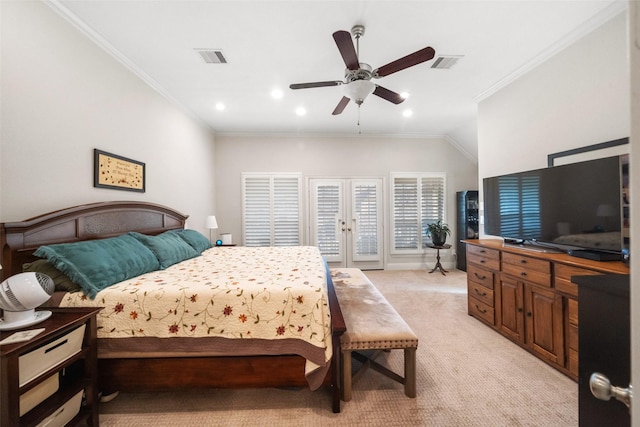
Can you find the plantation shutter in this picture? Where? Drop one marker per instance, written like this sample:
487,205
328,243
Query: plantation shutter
432,204
405,213
365,199
418,200
271,209
328,211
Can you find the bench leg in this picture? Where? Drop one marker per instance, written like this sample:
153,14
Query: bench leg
346,375
410,371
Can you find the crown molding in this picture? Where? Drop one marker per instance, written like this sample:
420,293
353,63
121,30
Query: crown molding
85,29
608,13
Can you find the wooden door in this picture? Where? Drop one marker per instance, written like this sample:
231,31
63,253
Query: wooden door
543,323
511,309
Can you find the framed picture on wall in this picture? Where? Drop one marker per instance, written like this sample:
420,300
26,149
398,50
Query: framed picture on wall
117,172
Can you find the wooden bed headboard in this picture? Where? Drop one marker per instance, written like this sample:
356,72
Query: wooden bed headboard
19,240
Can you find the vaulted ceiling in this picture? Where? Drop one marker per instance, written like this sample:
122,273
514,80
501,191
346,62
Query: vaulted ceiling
269,45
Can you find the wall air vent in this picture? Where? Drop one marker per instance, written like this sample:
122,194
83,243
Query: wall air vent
212,56
445,62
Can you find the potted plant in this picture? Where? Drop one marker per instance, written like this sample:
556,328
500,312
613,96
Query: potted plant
438,232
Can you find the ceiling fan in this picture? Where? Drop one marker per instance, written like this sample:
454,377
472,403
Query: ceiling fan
358,75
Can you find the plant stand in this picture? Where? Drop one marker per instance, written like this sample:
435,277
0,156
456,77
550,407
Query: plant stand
438,265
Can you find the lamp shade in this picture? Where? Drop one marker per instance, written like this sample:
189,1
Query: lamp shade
358,90
211,222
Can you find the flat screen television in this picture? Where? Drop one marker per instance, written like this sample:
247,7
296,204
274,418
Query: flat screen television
571,208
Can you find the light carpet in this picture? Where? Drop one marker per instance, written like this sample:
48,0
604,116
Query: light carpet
467,375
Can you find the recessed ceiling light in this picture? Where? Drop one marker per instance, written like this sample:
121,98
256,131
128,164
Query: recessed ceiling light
405,95
301,111
407,113
277,94
220,106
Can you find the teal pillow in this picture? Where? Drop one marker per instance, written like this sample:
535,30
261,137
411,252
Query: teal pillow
193,238
167,247
97,264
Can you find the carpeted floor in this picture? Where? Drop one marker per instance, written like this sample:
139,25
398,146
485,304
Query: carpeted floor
467,375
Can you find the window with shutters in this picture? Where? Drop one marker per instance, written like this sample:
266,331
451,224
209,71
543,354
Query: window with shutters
271,209
418,199
519,206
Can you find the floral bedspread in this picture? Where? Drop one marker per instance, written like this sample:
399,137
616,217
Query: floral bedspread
231,292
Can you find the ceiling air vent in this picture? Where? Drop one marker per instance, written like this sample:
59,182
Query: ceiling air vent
445,62
212,56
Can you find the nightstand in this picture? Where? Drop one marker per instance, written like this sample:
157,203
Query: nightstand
53,376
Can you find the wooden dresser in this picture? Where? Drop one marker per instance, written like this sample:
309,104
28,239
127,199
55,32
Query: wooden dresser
528,297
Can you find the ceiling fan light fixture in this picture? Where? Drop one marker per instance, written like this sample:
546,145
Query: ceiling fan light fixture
358,90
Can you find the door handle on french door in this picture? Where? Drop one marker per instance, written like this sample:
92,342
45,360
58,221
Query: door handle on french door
602,389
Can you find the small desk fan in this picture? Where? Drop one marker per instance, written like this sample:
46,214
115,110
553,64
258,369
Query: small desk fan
20,295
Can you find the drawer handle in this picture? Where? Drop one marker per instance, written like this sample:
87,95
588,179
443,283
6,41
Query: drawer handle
60,344
482,251
523,261
479,276
480,309
482,261
482,294
523,273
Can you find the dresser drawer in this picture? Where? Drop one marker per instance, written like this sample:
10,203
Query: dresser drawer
40,360
524,273
479,255
563,274
480,275
526,268
527,263
481,310
481,293
483,252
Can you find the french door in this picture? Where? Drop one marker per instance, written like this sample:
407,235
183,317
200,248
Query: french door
346,221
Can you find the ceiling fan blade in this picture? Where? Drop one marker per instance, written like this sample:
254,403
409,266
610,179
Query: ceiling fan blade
340,107
347,50
387,94
314,84
410,60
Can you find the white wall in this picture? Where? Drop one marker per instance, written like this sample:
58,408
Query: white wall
63,96
348,156
578,97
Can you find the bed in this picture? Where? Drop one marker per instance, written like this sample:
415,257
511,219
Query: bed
265,336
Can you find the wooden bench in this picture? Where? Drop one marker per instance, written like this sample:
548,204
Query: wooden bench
372,324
